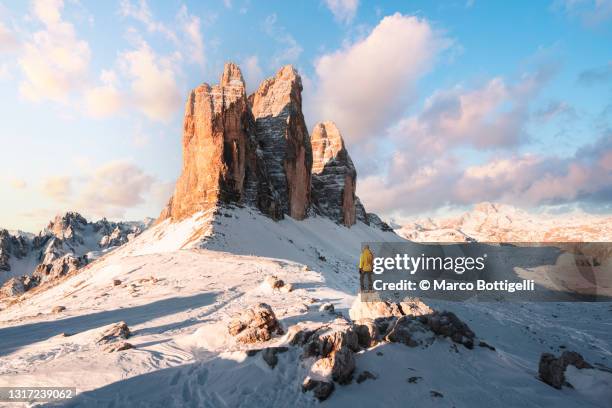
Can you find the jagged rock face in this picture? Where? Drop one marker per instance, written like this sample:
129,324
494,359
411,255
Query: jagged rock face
13,287
333,175
375,220
11,246
214,146
62,247
284,140
257,151
67,226
220,161
58,267
360,212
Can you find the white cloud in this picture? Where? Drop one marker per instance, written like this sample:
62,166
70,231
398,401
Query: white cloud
104,100
109,190
369,83
492,115
519,179
253,74
290,49
58,188
54,60
5,72
142,13
17,183
343,10
8,40
188,37
153,86
113,188
590,12
194,46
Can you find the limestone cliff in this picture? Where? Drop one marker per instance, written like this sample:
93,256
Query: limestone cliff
256,151
283,136
333,175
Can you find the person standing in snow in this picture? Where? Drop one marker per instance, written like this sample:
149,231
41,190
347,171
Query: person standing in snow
365,268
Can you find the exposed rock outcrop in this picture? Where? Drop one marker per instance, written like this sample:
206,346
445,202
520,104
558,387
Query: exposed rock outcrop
285,144
411,322
11,246
449,325
67,243
334,177
256,151
13,287
256,324
411,332
114,333
220,162
552,369
330,347
377,308
58,267
321,389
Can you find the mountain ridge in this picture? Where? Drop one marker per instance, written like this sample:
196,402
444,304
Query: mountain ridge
504,223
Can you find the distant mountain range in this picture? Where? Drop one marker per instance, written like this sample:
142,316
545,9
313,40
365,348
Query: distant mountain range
67,243
503,223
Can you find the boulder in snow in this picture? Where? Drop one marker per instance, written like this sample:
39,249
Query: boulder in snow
367,332
320,388
58,309
415,307
552,369
333,346
115,332
269,355
118,346
411,332
371,306
447,324
327,307
256,324
272,282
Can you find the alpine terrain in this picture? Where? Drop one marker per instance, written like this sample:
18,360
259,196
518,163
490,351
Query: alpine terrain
243,292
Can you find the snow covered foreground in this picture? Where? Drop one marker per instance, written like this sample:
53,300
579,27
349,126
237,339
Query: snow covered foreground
180,283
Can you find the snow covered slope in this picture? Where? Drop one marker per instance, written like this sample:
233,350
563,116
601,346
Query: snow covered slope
176,286
489,222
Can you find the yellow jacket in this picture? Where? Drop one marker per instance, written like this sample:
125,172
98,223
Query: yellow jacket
365,261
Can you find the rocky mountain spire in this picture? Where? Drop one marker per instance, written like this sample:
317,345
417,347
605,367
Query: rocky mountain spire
257,151
219,152
284,140
334,177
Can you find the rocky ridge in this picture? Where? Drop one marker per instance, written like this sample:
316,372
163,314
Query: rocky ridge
67,243
257,151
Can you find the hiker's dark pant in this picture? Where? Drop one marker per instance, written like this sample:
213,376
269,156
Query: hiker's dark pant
362,277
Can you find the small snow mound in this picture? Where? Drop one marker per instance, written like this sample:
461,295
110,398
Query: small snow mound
594,384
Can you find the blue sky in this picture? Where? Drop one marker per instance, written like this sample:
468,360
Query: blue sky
442,104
